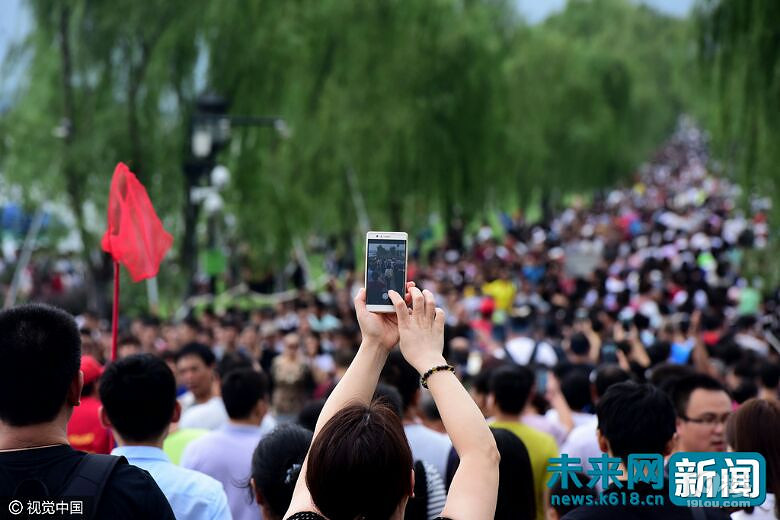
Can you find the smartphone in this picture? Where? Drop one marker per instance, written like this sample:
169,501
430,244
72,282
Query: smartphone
541,381
385,268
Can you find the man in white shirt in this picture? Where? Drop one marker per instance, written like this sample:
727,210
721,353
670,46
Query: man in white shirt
201,408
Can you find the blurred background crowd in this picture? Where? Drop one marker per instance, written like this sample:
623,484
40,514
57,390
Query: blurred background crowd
642,283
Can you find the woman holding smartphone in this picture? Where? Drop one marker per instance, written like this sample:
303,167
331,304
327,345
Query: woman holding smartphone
359,464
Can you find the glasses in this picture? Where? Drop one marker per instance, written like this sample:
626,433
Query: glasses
708,419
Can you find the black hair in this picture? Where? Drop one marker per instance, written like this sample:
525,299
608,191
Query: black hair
168,355
343,357
665,375
636,418
572,490
40,355
241,389
575,387
128,339
311,411
88,389
400,374
150,321
515,495
480,383
659,352
680,390
770,376
192,322
430,410
360,464
276,463
606,376
747,389
579,343
232,361
391,397
230,322
511,386
197,349
139,396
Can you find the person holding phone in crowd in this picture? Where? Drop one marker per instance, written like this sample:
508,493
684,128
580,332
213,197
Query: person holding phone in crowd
359,463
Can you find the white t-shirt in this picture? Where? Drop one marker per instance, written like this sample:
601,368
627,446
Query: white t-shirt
429,446
209,415
579,418
521,348
583,444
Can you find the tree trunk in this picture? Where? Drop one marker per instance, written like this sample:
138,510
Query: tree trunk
188,251
73,182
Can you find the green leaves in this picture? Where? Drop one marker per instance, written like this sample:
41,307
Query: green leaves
437,106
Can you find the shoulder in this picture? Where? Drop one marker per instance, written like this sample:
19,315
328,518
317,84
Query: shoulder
582,433
197,449
131,492
200,483
520,343
536,439
422,433
187,399
203,443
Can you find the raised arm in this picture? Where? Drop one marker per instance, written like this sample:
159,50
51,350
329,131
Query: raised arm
380,335
474,487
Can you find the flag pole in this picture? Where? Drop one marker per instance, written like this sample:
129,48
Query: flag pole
115,313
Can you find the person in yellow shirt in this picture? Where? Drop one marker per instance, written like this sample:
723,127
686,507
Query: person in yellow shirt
502,290
510,390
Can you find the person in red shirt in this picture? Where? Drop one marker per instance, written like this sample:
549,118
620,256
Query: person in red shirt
85,432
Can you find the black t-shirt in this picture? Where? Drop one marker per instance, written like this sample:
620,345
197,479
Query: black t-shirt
129,493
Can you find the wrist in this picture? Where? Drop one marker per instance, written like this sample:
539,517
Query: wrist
374,349
424,364
369,343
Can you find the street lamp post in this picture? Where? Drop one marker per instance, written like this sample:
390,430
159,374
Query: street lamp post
209,132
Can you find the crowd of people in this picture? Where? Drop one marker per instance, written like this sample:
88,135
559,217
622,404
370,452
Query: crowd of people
623,325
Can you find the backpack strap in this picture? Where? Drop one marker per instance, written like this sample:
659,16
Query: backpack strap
89,479
534,352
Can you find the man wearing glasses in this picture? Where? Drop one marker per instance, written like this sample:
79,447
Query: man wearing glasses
703,406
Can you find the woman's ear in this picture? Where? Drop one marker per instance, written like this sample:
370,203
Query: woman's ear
258,495
412,493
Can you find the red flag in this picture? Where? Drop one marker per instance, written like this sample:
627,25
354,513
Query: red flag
135,236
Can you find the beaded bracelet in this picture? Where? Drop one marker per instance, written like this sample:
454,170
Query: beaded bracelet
424,378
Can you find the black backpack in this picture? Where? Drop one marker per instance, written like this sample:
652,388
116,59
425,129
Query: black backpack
87,483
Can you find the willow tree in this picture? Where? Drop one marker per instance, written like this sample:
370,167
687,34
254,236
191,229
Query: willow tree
104,82
740,50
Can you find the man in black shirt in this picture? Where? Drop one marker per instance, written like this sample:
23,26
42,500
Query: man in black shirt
40,383
636,418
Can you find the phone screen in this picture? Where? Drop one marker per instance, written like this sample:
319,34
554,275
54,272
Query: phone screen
541,381
385,270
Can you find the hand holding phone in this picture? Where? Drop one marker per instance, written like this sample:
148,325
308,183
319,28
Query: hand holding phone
386,259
